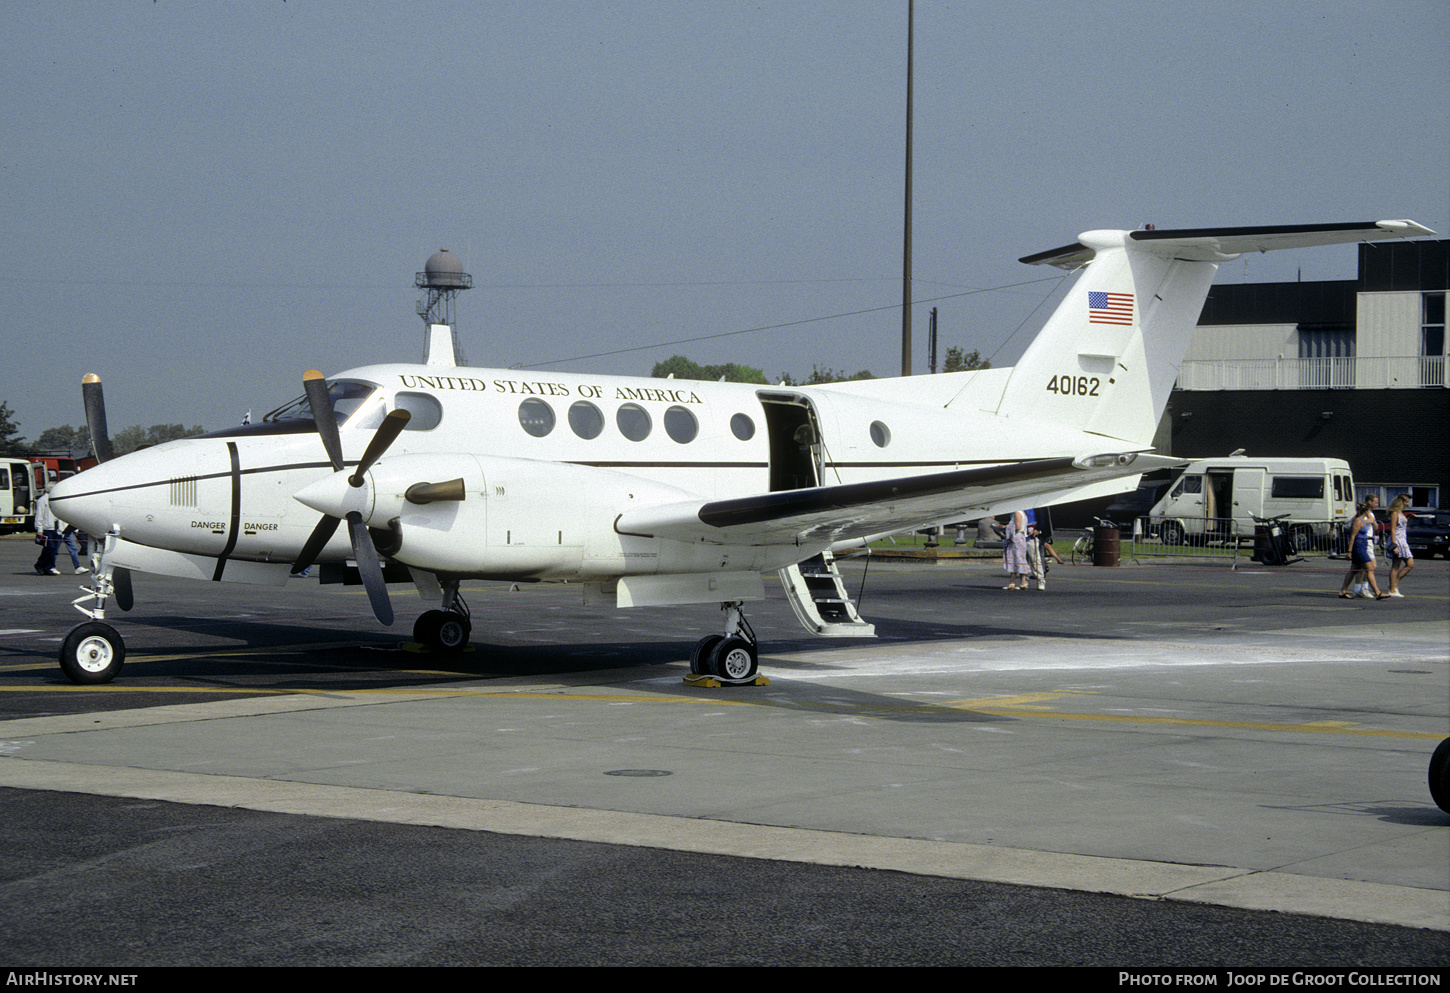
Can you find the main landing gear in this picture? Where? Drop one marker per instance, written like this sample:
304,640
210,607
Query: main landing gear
731,658
93,652
447,630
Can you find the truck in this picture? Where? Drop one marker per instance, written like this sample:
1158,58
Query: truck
47,470
1216,499
17,511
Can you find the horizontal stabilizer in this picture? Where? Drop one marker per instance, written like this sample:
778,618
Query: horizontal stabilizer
1225,244
823,515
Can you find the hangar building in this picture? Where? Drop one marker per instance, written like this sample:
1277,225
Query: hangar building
1352,369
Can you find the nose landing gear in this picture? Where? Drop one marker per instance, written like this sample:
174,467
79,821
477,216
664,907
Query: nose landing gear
93,652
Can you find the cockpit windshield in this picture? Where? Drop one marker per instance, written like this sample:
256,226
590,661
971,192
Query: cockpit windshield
347,396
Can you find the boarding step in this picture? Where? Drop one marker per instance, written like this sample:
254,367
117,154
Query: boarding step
820,601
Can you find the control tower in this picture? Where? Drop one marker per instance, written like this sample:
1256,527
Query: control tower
442,279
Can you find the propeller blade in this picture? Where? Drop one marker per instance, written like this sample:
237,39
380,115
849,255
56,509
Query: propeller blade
315,542
95,404
368,567
386,434
314,384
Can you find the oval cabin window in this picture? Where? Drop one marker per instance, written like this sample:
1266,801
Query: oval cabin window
633,421
536,417
585,420
681,425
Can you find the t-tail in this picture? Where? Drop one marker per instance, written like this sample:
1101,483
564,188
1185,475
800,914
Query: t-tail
1109,355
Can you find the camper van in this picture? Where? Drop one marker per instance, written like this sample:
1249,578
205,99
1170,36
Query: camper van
1214,499
16,513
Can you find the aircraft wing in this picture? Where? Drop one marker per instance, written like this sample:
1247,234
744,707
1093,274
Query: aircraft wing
827,514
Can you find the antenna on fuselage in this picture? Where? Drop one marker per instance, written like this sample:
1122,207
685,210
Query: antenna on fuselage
443,279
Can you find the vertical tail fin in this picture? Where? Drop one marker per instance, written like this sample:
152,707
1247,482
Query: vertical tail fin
1108,356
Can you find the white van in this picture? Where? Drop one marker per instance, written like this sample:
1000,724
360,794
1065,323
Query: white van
1217,498
16,512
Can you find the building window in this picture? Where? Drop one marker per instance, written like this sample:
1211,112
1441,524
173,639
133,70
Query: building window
1432,339
1326,356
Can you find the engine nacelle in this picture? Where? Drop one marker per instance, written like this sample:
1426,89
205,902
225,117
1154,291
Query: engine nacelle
516,518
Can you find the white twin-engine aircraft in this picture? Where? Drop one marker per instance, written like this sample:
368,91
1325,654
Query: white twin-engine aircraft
650,491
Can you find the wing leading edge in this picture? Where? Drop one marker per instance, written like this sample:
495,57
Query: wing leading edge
828,514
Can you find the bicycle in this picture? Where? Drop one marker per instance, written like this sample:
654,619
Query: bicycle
1085,546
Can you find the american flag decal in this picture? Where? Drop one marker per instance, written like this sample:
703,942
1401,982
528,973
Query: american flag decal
1110,308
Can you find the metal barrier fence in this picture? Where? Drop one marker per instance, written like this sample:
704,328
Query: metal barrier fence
1224,539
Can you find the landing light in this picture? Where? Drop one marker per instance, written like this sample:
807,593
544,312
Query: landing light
1106,461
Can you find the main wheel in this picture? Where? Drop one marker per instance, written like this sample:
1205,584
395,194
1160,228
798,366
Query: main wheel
442,630
733,659
700,654
1440,776
92,653
1171,533
425,628
453,631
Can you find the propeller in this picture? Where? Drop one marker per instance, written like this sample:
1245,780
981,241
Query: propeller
94,400
95,404
363,551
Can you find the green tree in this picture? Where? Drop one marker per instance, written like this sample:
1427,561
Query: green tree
10,441
731,372
134,437
959,362
76,441
819,375
683,368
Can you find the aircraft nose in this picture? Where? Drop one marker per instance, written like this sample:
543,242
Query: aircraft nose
85,499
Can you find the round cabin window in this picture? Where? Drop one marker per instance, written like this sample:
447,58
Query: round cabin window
536,417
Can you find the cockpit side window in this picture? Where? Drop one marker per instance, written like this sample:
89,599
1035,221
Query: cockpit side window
347,396
426,410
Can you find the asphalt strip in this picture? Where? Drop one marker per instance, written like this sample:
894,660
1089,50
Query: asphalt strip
1218,885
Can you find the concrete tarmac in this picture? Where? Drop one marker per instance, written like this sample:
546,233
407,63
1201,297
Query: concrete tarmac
1183,736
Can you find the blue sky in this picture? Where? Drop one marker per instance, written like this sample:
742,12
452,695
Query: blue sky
202,200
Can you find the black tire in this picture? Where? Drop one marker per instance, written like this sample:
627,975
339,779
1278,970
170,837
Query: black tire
700,654
425,628
1171,533
1440,776
452,632
92,653
442,630
733,659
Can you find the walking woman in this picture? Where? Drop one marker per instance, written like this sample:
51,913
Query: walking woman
1014,552
1361,551
1401,561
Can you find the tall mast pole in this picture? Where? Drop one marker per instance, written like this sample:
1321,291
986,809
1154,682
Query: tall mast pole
906,241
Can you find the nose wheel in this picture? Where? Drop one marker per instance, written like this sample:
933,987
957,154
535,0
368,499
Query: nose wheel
92,653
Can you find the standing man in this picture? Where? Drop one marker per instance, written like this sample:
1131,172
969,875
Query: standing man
1034,549
47,536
